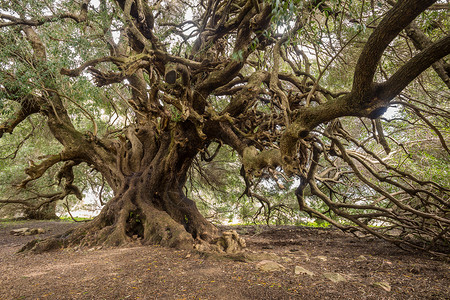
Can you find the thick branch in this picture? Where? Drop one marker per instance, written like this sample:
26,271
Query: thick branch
403,13
222,131
421,41
36,171
416,65
81,17
245,97
28,107
52,197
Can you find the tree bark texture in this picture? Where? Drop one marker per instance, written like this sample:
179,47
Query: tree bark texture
149,205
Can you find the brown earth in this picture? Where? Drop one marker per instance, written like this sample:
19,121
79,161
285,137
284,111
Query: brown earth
154,272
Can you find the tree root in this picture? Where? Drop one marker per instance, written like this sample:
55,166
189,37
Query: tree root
229,242
138,229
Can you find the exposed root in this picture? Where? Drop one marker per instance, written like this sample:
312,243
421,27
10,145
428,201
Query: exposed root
155,231
230,242
153,227
130,220
163,230
40,246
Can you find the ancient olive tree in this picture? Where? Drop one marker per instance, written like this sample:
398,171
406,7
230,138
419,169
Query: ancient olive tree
138,89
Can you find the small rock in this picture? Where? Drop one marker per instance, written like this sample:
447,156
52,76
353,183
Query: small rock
384,285
27,231
20,231
269,266
300,270
286,259
361,258
335,277
322,258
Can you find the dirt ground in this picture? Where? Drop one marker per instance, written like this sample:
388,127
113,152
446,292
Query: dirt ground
367,268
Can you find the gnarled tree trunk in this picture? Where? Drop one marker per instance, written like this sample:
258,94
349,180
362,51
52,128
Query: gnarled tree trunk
149,205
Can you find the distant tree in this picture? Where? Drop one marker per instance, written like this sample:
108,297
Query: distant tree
138,90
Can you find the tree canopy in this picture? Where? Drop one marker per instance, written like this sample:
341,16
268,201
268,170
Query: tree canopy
142,92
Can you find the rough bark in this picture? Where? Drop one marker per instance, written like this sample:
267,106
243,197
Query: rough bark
421,41
150,206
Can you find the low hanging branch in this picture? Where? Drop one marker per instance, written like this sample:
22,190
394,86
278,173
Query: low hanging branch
28,105
30,202
35,171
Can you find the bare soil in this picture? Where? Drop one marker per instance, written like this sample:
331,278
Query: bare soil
153,272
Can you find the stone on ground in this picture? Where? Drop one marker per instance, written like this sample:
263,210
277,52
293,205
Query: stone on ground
269,266
334,277
27,231
300,270
19,231
320,257
258,256
361,258
384,285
